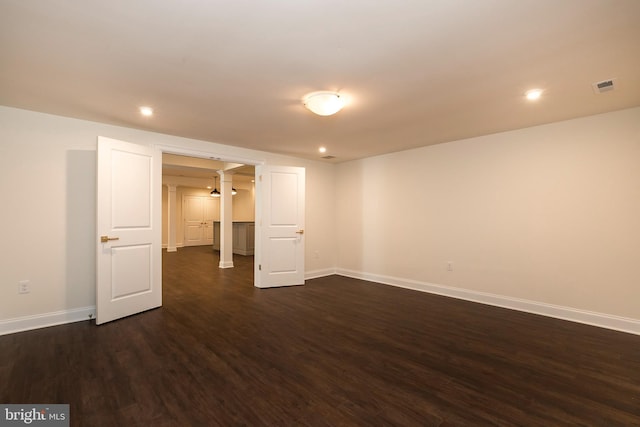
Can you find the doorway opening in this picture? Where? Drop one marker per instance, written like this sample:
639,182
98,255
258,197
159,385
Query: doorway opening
191,217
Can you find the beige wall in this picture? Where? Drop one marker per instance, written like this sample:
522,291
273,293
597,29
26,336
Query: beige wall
244,202
47,178
548,214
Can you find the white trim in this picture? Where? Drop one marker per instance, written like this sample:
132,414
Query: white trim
319,273
227,264
172,149
178,246
592,318
210,154
26,323
242,252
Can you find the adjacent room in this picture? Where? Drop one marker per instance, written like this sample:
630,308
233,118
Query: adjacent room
320,213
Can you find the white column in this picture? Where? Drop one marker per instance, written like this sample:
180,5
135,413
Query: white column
171,218
226,220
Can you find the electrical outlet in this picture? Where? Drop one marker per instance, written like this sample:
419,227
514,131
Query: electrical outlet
450,266
23,287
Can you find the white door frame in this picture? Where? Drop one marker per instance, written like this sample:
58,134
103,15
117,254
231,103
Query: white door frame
212,155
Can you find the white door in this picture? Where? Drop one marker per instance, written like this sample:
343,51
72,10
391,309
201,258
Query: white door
211,207
198,214
129,217
279,226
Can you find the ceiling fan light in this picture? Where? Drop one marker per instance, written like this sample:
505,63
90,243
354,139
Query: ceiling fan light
323,103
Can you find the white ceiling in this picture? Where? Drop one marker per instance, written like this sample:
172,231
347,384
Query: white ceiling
416,72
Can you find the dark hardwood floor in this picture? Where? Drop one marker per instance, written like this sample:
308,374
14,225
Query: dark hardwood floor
335,352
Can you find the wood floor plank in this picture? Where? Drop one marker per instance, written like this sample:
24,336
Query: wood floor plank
335,352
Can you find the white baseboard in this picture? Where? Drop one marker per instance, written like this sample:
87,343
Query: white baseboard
602,320
623,324
319,273
165,246
26,323
243,252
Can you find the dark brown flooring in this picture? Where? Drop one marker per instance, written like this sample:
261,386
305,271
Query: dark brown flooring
337,351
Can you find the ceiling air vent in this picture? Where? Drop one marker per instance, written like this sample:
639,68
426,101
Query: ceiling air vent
604,86
329,157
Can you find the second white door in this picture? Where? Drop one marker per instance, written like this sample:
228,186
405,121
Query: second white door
280,236
198,213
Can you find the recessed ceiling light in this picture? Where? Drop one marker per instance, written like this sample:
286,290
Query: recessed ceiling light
533,94
146,111
322,149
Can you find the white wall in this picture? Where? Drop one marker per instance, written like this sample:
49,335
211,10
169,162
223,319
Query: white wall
548,214
47,179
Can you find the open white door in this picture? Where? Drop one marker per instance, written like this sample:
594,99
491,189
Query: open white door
129,217
279,226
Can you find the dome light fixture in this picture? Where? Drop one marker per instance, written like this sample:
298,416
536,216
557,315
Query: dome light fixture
323,103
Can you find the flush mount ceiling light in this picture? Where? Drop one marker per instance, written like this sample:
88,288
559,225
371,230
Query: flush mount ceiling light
323,103
533,94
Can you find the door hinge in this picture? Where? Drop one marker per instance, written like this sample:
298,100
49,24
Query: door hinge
260,267
260,178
